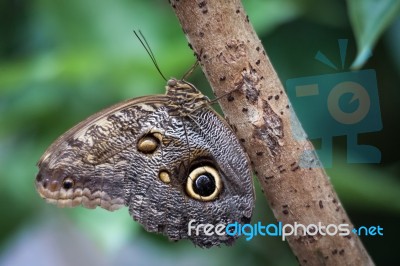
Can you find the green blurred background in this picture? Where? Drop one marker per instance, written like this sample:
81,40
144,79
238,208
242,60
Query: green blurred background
61,61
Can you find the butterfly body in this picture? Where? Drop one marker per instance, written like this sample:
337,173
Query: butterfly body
169,158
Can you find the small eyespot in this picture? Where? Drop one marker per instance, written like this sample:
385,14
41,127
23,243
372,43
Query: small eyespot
39,177
204,183
68,183
149,143
164,176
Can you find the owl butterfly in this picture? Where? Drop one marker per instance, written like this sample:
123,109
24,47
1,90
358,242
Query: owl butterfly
170,158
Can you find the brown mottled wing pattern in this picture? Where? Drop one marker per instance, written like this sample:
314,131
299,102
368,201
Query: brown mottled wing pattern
114,159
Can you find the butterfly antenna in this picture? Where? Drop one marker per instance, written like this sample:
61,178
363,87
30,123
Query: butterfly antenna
146,46
190,71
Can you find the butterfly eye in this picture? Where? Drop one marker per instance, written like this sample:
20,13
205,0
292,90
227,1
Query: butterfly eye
68,183
149,143
204,183
172,82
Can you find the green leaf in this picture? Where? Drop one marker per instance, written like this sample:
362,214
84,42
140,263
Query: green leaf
268,15
366,187
369,19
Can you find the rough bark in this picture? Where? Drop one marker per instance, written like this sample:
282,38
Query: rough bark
233,59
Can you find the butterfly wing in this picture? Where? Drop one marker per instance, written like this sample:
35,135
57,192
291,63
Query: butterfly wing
170,170
200,146
87,164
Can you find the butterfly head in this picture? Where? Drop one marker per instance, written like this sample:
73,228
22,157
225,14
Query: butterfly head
185,96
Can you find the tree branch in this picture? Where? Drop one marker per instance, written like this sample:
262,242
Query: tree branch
232,57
